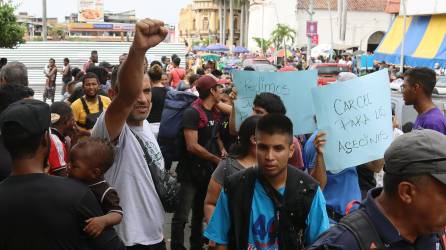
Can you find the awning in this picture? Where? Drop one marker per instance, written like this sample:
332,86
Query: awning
425,42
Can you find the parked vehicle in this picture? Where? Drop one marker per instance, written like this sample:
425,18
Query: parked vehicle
440,86
406,114
259,64
327,72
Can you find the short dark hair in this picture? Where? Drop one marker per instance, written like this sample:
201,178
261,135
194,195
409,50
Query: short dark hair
176,61
62,109
20,149
193,78
248,68
11,93
243,144
200,71
52,59
66,59
275,124
155,72
270,102
217,73
156,62
100,72
426,77
94,52
99,147
89,75
391,182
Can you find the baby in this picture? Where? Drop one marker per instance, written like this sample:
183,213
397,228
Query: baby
89,160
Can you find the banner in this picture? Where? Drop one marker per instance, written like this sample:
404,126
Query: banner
91,11
357,117
294,88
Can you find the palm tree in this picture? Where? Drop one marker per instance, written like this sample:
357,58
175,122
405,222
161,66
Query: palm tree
283,33
262,43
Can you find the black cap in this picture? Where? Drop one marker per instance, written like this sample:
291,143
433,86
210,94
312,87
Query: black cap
417,153
33,117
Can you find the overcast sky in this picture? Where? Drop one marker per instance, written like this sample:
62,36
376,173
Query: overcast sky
166,10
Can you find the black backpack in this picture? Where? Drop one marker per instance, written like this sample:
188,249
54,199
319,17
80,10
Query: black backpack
362,228
91,118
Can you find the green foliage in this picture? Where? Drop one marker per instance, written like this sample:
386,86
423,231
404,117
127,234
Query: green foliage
11,33
283,34
262,43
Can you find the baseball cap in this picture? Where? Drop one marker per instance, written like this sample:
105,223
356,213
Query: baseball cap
417,153
33,118
205,83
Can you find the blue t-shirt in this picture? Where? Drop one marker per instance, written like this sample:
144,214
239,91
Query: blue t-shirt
341,188
262,222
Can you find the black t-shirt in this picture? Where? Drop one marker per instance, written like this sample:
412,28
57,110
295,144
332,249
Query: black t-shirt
225,136
191,120
158,97
5,161
39,211
366,179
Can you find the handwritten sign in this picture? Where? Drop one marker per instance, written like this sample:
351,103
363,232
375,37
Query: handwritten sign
357,117
294,88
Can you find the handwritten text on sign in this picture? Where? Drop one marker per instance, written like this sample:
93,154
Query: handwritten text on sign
356,115
293,88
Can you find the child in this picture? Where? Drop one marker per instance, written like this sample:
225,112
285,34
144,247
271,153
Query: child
89,160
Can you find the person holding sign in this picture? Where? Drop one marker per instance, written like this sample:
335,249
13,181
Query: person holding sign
409,212
417,91
273,205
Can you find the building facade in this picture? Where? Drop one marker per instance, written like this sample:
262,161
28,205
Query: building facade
201,21
366,21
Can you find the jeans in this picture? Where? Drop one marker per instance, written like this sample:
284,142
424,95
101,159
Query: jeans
191,196
159,246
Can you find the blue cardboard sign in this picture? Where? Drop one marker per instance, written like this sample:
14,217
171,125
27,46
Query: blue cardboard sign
357,117
294,88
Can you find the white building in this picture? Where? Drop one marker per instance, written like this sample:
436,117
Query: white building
366,21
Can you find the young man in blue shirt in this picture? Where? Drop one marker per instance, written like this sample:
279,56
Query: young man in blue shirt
272,206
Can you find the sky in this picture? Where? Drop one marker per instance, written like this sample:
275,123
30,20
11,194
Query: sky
165,10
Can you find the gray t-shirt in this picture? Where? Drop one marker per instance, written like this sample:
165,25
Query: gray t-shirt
143,218
226,167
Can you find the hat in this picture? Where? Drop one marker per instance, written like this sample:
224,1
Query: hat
205,83
417,153
33,117
105,64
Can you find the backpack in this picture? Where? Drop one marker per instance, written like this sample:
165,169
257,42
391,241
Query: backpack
91,118
362,228
171,124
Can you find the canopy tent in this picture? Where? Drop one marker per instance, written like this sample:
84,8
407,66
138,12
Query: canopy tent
199,48
217,48
424,45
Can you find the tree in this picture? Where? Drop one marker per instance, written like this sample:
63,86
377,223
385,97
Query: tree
11,33
283,33
263,44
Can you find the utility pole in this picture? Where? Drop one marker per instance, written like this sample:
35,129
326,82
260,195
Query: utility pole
403,2
231,25
311,13
331,30
44,28
344,20
220,15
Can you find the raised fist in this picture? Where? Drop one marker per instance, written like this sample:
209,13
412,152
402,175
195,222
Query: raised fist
148,34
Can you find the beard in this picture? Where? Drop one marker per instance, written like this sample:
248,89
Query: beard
138,117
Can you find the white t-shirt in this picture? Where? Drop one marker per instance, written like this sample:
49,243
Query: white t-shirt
143,218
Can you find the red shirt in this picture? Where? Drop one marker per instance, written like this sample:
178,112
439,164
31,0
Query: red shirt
58,154
177,74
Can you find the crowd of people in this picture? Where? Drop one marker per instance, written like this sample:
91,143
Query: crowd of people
128,143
